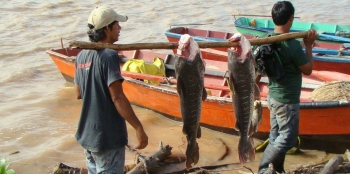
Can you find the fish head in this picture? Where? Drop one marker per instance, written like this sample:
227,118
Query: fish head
196,64
242,50
188,47
189,50
234,57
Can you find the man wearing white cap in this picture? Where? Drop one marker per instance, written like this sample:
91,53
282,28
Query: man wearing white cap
98,82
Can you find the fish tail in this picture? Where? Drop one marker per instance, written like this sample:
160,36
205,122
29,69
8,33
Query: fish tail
245,149
192,155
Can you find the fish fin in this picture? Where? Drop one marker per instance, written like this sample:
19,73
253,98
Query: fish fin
252,128
258,110
192,155
230,84
255,129
245,149
199,132
257,92
183,130
204,95
178,86
255,119
237,125
257,116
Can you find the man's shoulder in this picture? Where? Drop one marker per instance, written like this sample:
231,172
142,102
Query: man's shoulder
108,54
289,41
102,51
292,44
109,51
87,53
84,52
102,54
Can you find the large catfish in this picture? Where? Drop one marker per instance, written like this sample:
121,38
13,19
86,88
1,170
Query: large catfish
241,67
189,68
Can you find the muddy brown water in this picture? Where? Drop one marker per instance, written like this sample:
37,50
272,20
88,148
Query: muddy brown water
37,107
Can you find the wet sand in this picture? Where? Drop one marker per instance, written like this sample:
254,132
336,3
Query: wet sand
39,112
62,116
215,148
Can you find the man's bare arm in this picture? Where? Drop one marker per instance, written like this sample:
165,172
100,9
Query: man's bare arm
77,91
309,41
124,108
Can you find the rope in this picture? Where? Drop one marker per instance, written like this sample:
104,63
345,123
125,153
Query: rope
332,91
261,147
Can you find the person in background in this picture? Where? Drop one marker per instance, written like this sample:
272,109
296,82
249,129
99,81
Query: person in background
102,128
284,96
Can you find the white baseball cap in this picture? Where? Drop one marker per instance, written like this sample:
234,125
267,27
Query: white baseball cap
102,16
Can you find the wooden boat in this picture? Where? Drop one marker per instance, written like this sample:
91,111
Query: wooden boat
326,120
327,32
218,36
322,60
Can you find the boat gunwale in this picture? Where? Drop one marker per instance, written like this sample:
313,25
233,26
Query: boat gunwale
313,104
207,72
243,20
319,54
325,36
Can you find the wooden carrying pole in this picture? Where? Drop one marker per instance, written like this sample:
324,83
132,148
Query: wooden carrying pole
257,15
174,45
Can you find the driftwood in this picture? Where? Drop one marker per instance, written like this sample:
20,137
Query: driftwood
174,45
145,165
64,169
226,150
343,168
205,168
332,165
152,163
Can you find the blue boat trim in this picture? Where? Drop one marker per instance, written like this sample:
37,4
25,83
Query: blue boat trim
210,39
324,104
321,36
317,104
325,58
332,58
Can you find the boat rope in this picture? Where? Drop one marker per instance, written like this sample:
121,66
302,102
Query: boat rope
261,147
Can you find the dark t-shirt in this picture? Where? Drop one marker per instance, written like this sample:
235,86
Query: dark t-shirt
100,127
292,56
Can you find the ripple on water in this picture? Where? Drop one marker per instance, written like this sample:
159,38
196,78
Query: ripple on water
31,87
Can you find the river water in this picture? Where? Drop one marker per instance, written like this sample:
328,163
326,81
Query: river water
38,111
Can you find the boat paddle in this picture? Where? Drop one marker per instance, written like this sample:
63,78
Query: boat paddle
174,45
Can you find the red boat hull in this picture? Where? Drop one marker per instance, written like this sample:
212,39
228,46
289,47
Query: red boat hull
321,62
317,119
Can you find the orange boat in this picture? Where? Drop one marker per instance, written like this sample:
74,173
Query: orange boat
327,56
317,119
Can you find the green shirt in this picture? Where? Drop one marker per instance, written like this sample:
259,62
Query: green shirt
292,56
